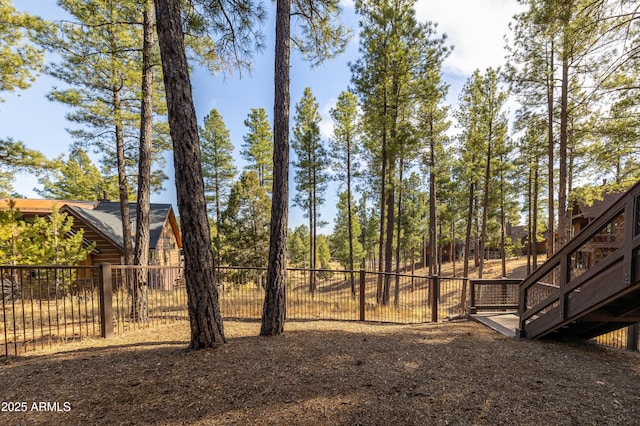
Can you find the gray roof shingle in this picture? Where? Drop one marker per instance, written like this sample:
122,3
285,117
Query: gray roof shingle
106,219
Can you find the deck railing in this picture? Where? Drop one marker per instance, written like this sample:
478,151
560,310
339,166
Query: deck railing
600,261
494,295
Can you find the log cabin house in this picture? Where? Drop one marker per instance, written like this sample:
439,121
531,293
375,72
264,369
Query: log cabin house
101,222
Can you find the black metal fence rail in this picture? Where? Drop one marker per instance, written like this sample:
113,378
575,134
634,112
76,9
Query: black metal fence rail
46,305
166,297
624,338
43,305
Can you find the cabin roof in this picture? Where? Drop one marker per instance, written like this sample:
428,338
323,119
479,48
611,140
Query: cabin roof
103,216
106,219
32,206
598,207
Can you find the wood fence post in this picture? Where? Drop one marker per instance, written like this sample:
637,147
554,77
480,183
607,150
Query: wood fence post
362,294
435,296
632,337
106,300
472,297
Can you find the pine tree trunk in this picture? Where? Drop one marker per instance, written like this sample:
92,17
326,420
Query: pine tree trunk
564,117
274,311
350,219
312,253
315,232
123,188
453,247
550,156
502,227
383,189
529,247
440,249
534,230
396,293
217,254
388,251
139,308
467,245
199,270
432,204
485,209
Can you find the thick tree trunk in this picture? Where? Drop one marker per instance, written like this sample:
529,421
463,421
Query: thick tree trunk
139,310
204,311
274,312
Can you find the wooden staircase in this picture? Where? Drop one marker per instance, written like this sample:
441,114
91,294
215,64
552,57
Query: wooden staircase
592,285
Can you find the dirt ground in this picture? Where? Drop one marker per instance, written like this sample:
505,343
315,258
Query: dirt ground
324,373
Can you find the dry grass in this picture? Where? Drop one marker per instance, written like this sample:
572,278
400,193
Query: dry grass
327,373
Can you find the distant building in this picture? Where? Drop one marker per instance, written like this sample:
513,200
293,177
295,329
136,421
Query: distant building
101,222
519,234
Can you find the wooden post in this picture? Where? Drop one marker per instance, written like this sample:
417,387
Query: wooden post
632,337
106,302
435,295
362,294
629,224
564,280
472,289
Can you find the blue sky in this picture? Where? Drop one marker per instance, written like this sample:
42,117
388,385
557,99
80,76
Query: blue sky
474,27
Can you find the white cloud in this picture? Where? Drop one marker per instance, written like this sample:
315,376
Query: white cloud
348,3
326,125
475,28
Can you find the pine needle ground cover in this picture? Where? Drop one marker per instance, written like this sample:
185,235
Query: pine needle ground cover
324,372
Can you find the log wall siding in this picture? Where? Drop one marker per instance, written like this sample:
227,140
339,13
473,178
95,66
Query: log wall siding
166,252
108,252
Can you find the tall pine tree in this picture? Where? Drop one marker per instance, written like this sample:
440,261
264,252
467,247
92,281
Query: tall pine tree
311,176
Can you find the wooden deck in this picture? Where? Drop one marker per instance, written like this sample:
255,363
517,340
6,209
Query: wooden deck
565,298
503,322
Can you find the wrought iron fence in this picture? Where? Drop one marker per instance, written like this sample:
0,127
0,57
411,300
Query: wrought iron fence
342,295
45,305
42,305
165,301
623,338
